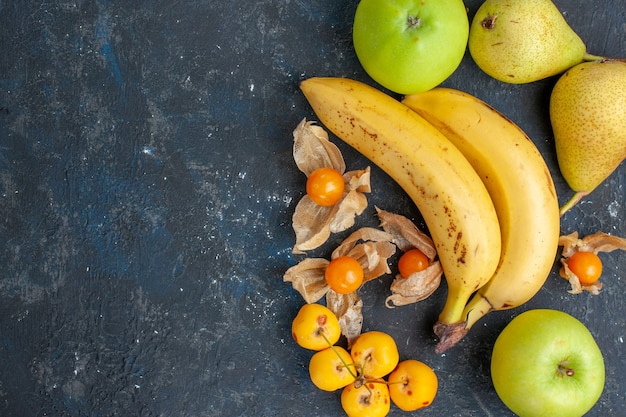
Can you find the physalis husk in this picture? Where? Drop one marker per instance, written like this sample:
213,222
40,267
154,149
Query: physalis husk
419,285
597,242
313,223
371,248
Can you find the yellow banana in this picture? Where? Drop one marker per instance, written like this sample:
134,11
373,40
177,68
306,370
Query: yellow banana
452,199
521,188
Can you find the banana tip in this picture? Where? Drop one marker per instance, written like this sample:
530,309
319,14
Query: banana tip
449,335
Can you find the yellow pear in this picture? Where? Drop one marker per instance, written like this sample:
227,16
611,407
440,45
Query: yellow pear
521,41
588,116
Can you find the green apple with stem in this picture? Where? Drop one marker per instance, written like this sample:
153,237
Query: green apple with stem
410,46
547,363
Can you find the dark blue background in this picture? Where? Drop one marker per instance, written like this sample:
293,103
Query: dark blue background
146,192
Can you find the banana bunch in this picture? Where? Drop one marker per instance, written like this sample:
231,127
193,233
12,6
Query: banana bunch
522,191
482,187
448,192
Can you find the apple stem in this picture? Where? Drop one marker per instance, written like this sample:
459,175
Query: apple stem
564,369
572,202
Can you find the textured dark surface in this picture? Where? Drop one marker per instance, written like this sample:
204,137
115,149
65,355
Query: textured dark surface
147,187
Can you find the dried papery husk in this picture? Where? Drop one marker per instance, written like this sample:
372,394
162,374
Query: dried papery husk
313,150
371,248
406,235
364,234
358,180
353,203
596,243
419,285
416,287
312,223
375,256
349,310
307,277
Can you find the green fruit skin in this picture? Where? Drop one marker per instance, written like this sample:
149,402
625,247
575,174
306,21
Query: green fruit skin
405,60
525,360
588,117
529,41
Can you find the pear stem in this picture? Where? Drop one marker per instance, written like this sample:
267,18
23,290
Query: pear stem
572,202
591,57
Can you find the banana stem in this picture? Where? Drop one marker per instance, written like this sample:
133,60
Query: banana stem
453,309
476,309
572,202
449,335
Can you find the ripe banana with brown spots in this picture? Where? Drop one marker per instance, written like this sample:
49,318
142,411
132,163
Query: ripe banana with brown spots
522,190
450,195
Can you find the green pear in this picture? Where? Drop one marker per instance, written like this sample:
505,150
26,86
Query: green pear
521,41
588,116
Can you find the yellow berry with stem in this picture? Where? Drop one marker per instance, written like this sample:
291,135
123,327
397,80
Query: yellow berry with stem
332,368
315,327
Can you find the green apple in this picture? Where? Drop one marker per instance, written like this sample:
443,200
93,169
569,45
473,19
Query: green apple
546,363
410,46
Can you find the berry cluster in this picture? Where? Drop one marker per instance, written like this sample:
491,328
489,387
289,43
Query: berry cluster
370,375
